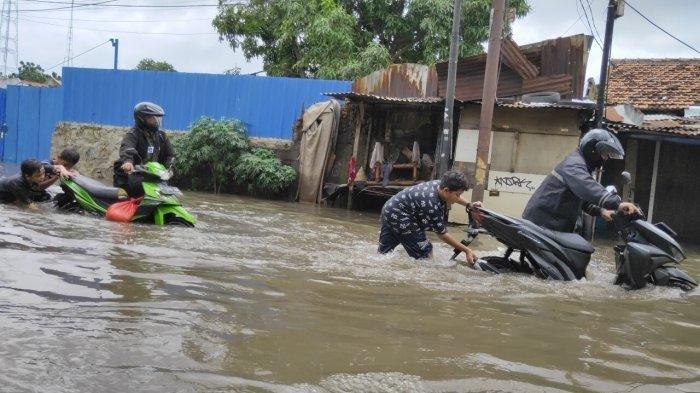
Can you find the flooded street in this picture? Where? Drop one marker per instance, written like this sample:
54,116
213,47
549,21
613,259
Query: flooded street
274,296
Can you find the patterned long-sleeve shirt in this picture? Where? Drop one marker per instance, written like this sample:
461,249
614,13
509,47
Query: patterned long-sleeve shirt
415,209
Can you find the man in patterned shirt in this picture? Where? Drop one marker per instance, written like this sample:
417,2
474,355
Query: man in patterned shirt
408,214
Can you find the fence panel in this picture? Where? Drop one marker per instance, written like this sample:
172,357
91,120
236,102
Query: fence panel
268,105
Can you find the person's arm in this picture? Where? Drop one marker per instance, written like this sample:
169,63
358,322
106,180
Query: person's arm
167,151
127,149
454,243
597,211
464,202
584,186
48,182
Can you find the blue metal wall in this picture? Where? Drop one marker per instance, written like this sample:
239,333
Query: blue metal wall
268,105
3,126
31,116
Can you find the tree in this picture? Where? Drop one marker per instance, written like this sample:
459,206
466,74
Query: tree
153,65
350,38
31,72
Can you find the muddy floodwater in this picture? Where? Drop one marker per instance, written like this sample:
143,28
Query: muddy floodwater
272,296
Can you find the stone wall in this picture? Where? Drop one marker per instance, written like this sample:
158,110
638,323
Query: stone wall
98,146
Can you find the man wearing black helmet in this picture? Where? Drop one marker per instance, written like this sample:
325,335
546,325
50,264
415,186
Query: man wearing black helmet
145,142
570,187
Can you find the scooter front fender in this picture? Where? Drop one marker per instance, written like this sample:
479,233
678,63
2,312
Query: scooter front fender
161,212
639,261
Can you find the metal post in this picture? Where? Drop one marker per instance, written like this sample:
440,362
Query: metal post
609,25
446,144
654,176
488,98
115,44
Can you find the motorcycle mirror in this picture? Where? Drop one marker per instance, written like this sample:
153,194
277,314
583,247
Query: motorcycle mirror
626,177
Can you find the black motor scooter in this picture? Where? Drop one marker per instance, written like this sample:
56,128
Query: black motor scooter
648,252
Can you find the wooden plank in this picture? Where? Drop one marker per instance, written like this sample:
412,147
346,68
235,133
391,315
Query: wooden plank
517,61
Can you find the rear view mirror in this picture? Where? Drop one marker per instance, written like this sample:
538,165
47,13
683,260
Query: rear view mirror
625,177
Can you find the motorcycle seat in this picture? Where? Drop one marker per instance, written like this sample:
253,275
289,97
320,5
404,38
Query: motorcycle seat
99,190
565,239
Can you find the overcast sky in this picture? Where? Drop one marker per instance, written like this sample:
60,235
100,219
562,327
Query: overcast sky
185,37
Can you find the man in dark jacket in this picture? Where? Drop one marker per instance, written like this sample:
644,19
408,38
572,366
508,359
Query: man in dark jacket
23,188
570,187
145,142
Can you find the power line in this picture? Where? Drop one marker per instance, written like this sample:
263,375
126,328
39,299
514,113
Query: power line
121,21
593,18
103,4
590,27
67,7
117,31
659,27
76,56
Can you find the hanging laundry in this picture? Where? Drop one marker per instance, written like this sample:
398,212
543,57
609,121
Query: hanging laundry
352,170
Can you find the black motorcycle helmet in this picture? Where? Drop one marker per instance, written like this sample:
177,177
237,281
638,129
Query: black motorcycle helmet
143,109
598,145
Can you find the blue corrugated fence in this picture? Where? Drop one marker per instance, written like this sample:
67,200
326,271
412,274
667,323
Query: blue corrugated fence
31,115
3,126
267,105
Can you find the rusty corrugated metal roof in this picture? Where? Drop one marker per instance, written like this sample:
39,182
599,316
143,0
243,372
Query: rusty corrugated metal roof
373,98
536,105
399,80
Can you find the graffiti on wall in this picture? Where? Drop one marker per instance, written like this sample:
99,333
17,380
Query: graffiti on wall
521,183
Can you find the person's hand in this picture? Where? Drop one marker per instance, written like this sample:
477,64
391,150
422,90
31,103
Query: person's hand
607,214
74,172
128,167
62,171
470,256
33,206
628,208
474,204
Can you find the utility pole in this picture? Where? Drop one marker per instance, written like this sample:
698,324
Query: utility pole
615,10
446,141
9,38
115,44
488,99
69,57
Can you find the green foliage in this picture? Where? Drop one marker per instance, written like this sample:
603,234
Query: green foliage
153,65
217,153
32,72
263,173
210,151
351,38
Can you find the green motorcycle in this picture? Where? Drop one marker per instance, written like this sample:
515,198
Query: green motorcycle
159,204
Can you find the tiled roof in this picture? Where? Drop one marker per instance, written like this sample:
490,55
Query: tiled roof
679,127
662,84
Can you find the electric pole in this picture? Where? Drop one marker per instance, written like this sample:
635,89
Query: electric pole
115,44
9,38
615,10
69,57
446,140
488,99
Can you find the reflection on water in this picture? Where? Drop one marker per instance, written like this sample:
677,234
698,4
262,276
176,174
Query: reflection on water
271,296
